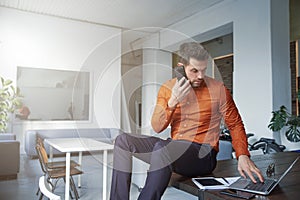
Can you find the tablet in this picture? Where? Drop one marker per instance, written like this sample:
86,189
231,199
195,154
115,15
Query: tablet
210,183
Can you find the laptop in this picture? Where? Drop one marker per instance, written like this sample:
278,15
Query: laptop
245,184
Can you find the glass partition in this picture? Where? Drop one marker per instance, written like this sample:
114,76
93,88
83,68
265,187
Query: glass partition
51,94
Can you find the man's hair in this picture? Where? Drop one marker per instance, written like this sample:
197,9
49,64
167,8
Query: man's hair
192,50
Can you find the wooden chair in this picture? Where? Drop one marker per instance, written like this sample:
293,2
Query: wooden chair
46,190
54,164
55,173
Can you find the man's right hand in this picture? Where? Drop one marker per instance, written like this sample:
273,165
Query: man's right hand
179,91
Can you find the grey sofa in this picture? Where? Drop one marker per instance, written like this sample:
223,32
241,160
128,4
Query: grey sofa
107,135
9,156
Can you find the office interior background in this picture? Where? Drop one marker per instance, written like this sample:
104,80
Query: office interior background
128,49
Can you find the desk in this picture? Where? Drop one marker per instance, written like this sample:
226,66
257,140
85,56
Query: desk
69,145
288,188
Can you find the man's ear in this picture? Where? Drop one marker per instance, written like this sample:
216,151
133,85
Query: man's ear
179,64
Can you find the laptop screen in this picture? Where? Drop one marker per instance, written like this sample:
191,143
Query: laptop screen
286,171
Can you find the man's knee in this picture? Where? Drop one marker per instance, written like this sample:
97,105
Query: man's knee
160,145
121,140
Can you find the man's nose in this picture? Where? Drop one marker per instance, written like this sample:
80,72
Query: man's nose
200,75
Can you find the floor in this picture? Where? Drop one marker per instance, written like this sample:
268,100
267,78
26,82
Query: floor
26,185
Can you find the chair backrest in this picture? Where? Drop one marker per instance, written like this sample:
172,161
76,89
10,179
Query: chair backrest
39,140
43,157
46,190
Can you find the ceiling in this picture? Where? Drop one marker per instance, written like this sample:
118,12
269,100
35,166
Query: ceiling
125,14
141,16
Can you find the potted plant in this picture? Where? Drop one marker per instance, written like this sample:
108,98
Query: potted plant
280,119
10,100
293,133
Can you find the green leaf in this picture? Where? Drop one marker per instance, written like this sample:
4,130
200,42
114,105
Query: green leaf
18,92
9,101
2,81
13,89
7,82
279,118
293,134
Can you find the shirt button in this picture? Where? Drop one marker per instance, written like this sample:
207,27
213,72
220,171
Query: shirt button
186,116
188,103
184,125
180,135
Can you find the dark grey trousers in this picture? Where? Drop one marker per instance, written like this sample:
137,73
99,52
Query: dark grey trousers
164,156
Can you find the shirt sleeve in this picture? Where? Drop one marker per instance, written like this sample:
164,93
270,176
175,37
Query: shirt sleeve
234,123
162,114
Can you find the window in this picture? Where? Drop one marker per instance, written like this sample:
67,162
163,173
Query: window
53,94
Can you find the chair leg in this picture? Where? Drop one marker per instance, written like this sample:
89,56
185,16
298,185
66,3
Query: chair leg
37,192
51,184
70,189
74,188
41,196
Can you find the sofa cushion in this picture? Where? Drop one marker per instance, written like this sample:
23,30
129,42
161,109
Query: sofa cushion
10,157
7,136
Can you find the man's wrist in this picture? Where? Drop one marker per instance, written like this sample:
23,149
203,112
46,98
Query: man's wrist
172,102
243,155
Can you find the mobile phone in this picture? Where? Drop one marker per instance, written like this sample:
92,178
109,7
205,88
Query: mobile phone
238,194
180,72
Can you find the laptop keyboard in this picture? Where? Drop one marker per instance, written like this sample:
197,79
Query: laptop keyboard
248,184
241,183
260,186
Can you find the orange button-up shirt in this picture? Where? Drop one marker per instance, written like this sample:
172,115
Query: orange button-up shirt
197,118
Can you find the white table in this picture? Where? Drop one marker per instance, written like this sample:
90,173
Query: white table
69,145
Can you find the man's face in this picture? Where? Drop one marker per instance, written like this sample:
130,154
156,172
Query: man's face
195,71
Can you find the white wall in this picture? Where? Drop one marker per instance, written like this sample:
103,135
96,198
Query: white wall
33,40
157,68
131,93
255,55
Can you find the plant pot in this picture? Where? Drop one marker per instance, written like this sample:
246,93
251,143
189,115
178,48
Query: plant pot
290,146
277,136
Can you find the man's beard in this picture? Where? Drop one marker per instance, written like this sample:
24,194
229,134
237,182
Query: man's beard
197,83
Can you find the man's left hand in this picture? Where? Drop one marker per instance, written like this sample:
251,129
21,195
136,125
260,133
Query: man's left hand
247,166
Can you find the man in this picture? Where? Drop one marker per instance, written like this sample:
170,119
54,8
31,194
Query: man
194,107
